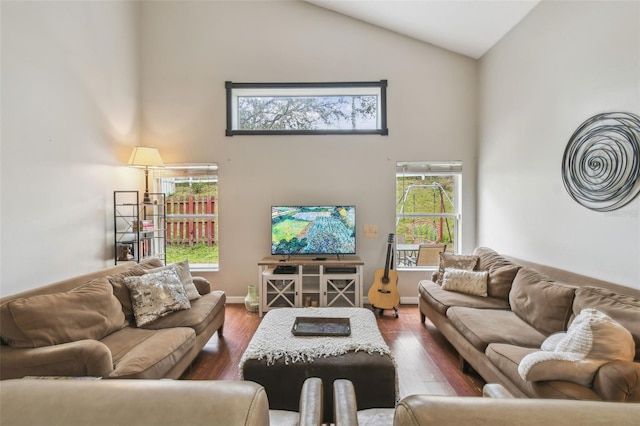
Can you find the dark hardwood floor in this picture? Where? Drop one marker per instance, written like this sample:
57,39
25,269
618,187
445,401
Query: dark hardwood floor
427,363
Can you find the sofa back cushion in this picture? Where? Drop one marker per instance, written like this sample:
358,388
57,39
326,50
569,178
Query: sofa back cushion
502,272
621,308
90,311
543,303
121,292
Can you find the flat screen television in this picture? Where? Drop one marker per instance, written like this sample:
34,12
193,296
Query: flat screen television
313,230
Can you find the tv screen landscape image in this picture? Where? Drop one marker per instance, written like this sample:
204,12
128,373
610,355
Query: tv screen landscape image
317,230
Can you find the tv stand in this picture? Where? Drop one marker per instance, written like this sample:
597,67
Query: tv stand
313,282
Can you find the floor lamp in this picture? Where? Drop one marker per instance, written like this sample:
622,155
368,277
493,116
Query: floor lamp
144,156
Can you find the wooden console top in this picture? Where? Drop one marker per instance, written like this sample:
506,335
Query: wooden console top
311,260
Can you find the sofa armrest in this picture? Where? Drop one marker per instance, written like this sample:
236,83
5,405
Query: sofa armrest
618,381
345,407
311,403
133,402
202,284
80,358
496,390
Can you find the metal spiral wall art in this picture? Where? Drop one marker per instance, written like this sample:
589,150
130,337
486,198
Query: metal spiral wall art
601,163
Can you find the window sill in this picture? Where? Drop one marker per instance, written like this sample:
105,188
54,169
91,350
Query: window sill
418,268
203,268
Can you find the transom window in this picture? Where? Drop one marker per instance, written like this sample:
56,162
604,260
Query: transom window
306,108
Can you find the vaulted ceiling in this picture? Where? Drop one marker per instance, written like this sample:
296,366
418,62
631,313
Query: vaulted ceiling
468,27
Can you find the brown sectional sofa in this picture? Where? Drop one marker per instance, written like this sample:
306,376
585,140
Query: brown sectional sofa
44,330
526,303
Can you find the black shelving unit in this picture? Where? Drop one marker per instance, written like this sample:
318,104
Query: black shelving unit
139,228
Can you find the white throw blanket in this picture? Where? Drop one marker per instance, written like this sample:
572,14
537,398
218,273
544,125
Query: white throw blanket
592,339
273,339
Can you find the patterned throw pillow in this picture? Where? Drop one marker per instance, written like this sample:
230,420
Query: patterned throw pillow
468,282
155,295
182,269
456,261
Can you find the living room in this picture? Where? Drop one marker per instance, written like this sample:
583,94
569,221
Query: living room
85,82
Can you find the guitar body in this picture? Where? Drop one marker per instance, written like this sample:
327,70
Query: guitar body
383,293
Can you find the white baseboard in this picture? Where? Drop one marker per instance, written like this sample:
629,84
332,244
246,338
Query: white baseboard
411,300
235,299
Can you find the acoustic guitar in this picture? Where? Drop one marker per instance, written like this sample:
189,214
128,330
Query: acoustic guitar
383,294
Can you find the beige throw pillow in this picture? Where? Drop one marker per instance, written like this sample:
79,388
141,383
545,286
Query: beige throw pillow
468,282
456,261
182,269
155,295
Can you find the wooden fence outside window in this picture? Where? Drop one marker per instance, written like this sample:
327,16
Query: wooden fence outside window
191,220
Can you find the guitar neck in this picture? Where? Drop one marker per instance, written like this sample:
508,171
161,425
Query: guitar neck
387,263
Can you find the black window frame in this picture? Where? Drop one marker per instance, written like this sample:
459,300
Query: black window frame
382,85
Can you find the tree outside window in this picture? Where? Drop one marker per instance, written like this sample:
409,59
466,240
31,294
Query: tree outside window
306,108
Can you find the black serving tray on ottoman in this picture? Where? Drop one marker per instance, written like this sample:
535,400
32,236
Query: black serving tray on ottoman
319,326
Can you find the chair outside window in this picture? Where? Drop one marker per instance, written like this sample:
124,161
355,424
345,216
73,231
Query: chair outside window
428,255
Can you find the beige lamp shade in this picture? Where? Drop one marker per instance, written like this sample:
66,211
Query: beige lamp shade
145,156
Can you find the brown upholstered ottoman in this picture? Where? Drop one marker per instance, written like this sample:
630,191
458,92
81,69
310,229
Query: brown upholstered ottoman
281,362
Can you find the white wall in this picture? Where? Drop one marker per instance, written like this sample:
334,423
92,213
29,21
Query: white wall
188,51
565,62
70,116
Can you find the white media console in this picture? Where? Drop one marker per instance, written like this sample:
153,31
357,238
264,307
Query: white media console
306,281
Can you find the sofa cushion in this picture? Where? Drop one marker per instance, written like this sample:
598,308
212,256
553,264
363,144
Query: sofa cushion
488,257
484,326
540,301
456,261
182,269
622,308
501,272
90,311
507,357
121,291
147,354
155,295
500,280
202,311
468,282
441,299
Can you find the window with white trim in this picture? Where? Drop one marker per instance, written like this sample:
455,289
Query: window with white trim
428,201
191,192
